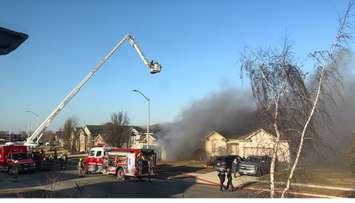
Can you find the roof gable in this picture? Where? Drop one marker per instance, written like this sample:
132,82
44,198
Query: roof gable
95,129
249,135
252,134
214,133
99,129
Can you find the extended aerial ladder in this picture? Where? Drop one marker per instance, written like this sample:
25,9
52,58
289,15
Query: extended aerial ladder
154,67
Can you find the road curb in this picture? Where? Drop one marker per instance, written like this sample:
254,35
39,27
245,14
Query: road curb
17,190
316,186
295,193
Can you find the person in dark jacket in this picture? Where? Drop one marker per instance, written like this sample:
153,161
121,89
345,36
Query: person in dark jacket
235,166
229,180
222,177
81,167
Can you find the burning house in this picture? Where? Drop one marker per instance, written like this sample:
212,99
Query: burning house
259,142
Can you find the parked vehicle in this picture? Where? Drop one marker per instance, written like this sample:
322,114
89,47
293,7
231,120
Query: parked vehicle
15,158
121,162
222,163
255,165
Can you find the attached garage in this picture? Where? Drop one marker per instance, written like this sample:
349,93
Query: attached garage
257,151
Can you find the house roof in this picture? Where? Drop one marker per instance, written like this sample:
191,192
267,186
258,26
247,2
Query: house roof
95,129
99,129
245,133
239,136
213,132
139,129
251,134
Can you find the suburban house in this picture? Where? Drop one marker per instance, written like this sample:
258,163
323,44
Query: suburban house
87,135
259,142
91,135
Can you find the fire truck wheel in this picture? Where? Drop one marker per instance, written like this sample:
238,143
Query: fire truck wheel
120,174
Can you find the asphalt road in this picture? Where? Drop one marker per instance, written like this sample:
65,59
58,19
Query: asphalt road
110,188
67,184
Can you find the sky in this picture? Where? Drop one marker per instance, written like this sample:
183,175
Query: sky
197,42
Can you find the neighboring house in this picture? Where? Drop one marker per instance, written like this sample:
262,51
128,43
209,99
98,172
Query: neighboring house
93,135
87,136
98,137
12,137
139,140
71,144
258,142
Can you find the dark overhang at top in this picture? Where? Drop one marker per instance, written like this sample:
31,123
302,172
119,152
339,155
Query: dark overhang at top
10,40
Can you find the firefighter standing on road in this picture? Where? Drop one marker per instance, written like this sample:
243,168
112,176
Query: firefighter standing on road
229,180
222,177
150,170
81,167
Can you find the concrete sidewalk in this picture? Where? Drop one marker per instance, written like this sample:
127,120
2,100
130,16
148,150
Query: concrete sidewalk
211,178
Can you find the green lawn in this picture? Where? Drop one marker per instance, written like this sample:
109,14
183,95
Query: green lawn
319,175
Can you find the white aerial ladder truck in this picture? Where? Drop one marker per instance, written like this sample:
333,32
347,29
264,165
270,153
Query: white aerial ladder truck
154,67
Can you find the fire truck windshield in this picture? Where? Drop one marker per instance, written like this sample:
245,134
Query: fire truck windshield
92,153
19,156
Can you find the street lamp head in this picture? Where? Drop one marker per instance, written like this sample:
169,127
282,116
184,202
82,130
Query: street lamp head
33,113
139,92
154,67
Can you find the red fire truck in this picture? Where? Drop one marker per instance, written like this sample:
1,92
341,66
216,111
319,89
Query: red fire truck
121,162
15,158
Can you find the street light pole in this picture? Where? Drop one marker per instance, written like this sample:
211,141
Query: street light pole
148,120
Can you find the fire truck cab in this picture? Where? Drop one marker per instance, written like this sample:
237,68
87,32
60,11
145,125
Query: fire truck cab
15,158
121,162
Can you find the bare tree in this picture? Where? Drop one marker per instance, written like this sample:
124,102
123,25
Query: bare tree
68,130
114,131
328,78
277,82
293,109
48,136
